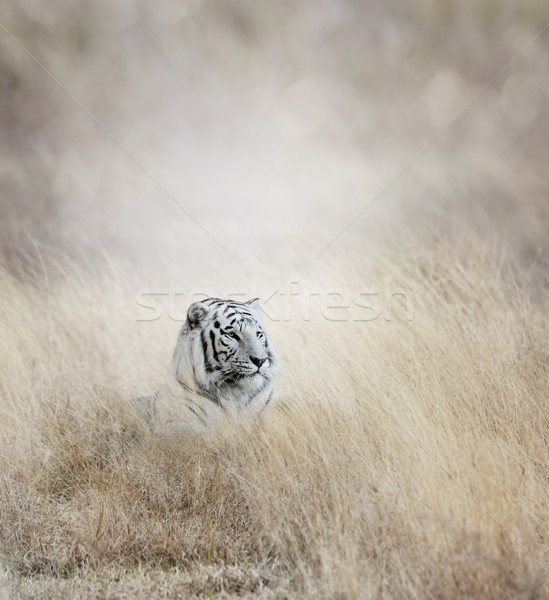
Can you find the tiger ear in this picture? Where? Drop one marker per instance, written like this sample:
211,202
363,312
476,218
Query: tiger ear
197,314
255,305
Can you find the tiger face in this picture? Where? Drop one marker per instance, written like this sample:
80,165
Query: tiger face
231,350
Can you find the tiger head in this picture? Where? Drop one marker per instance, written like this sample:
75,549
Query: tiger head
224,344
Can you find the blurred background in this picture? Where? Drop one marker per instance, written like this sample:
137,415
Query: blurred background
241,136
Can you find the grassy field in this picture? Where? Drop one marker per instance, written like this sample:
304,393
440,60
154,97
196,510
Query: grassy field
408,458
407,453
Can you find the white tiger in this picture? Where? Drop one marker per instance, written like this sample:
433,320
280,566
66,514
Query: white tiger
224,365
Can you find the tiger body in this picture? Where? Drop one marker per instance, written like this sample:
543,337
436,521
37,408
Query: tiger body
224,366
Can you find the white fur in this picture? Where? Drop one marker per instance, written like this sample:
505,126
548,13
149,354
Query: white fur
233,387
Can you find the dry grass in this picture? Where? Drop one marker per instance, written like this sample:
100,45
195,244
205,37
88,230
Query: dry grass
408,459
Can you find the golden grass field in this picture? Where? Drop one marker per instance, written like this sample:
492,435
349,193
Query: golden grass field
407,459
407,454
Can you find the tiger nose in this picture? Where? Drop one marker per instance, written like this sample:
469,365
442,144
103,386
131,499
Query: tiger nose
257,361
